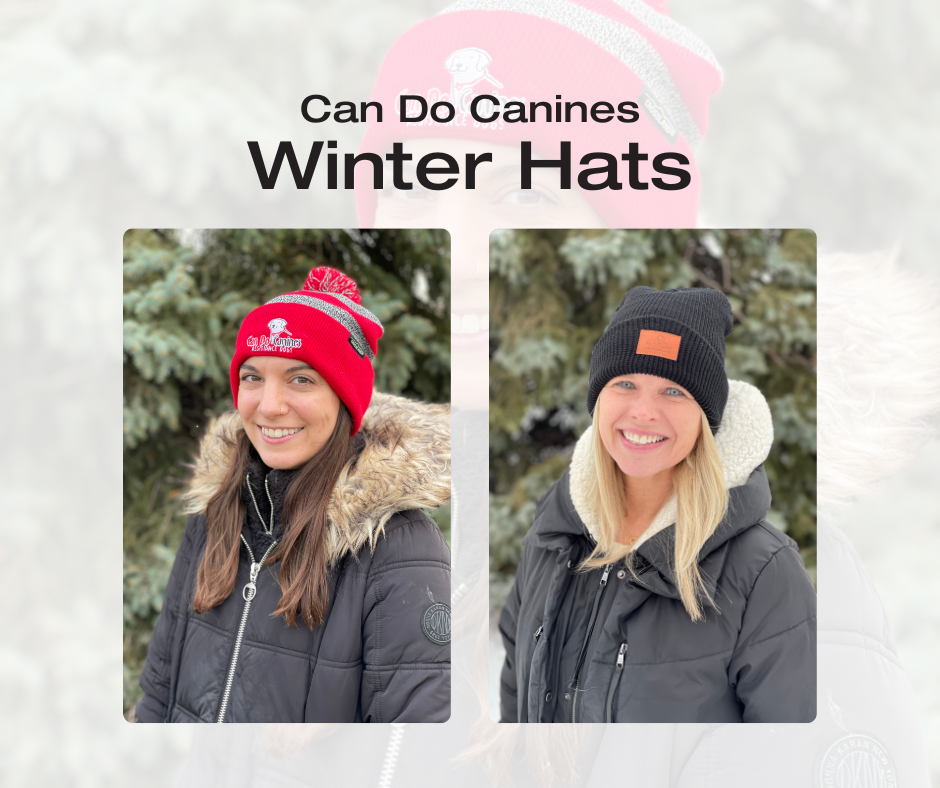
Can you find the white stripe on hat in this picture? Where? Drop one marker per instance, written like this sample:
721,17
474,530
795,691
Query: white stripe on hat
331,310
359,309
670,29
623,42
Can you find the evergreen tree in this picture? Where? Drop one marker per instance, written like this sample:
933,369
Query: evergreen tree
552,293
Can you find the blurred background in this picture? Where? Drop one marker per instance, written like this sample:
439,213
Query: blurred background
552,293
827,119
185,295
130,113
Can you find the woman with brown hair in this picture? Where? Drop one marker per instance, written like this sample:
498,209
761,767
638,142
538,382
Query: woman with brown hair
309,586
651,587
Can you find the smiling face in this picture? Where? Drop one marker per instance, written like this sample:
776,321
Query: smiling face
647,424
288,409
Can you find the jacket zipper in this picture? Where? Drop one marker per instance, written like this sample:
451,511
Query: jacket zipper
248,593
525,689
391,754
615,682
587,639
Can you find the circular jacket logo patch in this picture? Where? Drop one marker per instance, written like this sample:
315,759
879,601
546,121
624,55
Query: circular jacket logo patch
857,760
436,623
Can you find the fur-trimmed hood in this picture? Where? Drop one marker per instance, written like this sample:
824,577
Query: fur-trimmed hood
743,440
405,464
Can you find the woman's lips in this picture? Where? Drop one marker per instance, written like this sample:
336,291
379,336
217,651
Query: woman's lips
478,340
283,438
469,329
641,447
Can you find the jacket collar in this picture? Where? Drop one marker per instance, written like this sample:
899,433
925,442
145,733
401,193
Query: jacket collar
747,505
404,464
743,440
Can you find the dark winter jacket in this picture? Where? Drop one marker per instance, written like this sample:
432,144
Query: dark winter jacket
610,646
382,653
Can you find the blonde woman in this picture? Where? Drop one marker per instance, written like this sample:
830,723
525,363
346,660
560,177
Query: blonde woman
651,588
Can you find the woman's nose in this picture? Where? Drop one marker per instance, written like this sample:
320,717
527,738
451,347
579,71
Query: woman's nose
272,401
643,408
469,241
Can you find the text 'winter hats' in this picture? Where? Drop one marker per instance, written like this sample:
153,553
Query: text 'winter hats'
674,334
324,325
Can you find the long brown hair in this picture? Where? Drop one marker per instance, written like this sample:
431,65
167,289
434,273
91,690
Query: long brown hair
302,551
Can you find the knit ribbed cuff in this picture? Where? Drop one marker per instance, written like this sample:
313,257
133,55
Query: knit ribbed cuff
698,368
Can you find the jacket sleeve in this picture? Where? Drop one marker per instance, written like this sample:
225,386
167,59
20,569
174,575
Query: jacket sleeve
406,624
773,668
155,677
508,691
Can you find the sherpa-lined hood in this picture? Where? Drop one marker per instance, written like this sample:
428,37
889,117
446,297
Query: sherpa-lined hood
405,464
743,442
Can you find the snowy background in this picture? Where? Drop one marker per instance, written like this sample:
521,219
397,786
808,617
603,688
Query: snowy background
121,113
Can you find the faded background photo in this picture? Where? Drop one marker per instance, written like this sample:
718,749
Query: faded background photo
117,114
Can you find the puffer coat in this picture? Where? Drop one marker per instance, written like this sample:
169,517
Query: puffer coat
613,646
382,653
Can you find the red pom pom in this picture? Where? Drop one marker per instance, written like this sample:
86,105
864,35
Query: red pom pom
328,280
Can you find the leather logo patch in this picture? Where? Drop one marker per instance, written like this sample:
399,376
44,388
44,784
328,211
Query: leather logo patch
658,343
436,623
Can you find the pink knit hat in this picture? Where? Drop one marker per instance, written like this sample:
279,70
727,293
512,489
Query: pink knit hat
325,325
535,50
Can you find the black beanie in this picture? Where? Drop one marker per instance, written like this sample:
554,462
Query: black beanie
673,334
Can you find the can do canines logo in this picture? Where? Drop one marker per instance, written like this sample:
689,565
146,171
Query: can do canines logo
469,77
275,341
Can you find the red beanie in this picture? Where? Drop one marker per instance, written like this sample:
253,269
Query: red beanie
587,51
325,325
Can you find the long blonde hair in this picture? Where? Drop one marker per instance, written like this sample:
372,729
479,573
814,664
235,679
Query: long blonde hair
699,482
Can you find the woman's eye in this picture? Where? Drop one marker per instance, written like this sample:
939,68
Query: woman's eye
415,194
675,392
249,378
302,379
624,384
528,198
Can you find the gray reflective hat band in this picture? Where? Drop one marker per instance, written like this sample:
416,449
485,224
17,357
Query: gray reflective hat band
624,43
670,29
331,310
357,308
